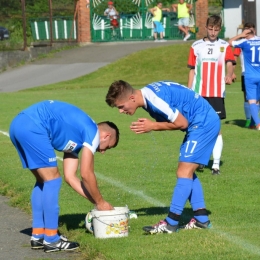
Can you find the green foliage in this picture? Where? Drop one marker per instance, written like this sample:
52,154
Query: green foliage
125,7
215,2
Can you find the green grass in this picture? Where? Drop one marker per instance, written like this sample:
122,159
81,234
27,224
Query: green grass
140,172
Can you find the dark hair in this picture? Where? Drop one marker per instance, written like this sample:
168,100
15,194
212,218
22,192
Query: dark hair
113,126
118,89
249,25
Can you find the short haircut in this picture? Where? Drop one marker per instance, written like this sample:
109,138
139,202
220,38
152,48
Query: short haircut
117,90
113,126
214,21
249,25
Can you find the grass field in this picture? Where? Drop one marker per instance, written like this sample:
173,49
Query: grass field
140,172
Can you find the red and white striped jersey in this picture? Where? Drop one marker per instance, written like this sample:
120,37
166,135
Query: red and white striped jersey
208,59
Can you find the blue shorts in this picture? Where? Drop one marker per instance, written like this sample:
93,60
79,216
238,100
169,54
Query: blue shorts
200,139
184,21
252,88
32,143
158,27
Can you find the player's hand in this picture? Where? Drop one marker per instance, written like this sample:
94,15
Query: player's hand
142,125
228,80
104,205
246,32
234,77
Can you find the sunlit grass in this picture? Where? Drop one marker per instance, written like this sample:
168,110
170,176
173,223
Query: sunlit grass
140,172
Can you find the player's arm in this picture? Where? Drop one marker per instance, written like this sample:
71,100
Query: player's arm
70,167
191,77
236,54
89,180
191,66
230,71
144,125
239,36
230,62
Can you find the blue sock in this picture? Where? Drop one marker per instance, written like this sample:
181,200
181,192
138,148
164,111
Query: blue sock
197,199
180,195
254,112
247,110
37,208
51,191
252,122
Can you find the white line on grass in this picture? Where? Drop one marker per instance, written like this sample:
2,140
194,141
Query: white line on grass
233,239
4,133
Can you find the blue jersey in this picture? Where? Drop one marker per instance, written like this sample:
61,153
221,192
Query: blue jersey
251,55
165,100
68,127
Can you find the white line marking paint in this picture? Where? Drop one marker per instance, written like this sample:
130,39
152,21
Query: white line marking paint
233,239
4,133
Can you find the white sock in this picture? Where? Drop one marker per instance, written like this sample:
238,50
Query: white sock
217,150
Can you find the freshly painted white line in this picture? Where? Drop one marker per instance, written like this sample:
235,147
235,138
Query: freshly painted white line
233,239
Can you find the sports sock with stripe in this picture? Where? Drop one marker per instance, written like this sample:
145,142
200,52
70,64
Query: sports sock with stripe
51,191
37,211
196,199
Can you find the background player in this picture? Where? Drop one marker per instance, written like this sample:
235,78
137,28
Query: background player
250,47
207,76
238,53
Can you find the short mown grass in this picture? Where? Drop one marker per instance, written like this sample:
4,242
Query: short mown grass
140,172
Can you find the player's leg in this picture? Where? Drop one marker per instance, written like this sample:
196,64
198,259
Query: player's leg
219,106
37,215
217,151
181,194
40,158
195,149
252,96
246,104
196,198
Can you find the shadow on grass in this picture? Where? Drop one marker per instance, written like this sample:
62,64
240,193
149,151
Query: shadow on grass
186,215
72,222
238,122
209,166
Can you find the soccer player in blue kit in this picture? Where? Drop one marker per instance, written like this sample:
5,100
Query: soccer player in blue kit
250,46
36,133
174,107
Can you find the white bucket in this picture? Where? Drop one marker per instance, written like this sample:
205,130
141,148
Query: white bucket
110,223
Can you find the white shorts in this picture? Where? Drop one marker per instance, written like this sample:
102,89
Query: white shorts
184,21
